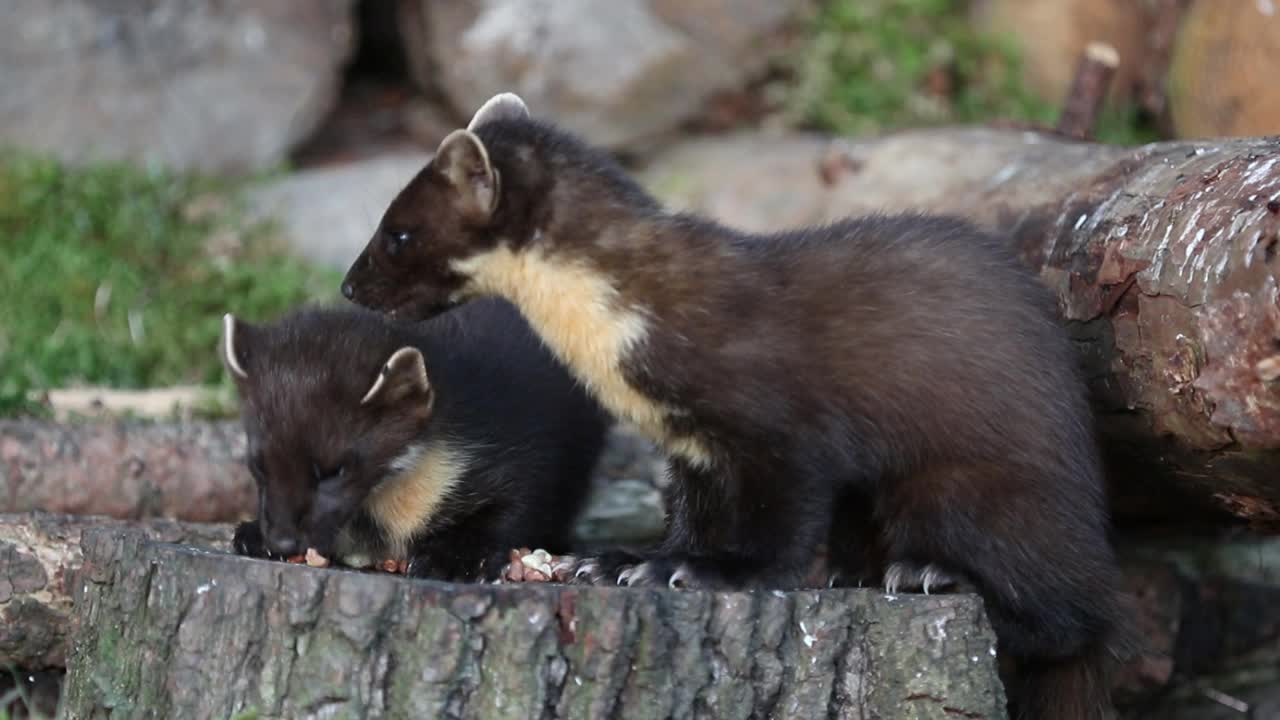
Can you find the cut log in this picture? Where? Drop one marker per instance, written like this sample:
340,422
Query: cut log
40,559
192,470
177,632
1164,259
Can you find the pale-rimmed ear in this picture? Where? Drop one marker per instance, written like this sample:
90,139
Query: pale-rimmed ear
503,106
230,351
403,375
464,162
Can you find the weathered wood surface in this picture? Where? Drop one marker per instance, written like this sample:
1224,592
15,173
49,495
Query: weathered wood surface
126,469
40,559
171,631
1165,259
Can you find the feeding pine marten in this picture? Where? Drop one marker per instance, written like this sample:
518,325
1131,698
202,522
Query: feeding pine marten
894,386
444,444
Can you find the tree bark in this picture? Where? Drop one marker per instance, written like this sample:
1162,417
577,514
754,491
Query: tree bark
126,469
40,559
1163,258
180,632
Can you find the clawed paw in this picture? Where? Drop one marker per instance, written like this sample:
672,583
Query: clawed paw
657,574
909,577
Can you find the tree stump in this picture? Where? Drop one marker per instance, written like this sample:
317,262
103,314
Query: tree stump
172,631
40,560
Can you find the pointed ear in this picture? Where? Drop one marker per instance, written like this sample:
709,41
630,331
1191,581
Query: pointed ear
234,340
503,106
464,163
404,375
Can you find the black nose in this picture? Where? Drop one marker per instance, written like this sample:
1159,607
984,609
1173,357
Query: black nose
285,546
348,292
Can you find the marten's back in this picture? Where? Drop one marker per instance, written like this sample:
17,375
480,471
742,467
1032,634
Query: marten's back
917,338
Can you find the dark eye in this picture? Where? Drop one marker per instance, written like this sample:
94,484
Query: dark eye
395,240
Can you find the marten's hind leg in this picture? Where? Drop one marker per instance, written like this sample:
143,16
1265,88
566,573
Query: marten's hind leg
1037,554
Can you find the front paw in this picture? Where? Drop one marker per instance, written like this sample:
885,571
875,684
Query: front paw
658,570
248,540
910,577
679,573
601,569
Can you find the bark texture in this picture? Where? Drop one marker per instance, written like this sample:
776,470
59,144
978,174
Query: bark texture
40,559
1163,258
177,632
126,469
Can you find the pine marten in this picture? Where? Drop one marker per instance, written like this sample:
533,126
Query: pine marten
895,386
443,444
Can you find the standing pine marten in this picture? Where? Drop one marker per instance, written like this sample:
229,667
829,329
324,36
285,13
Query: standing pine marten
894,386
444,444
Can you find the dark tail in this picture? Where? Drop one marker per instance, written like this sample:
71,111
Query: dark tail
1076,688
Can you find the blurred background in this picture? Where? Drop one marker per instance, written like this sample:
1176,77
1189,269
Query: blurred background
165,161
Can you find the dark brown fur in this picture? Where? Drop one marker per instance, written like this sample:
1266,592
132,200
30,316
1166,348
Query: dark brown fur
894,386
522,437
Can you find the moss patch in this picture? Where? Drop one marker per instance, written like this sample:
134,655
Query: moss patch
117,276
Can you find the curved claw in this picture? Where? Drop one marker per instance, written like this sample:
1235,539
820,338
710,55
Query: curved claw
624,577
893,579
586,571
679,579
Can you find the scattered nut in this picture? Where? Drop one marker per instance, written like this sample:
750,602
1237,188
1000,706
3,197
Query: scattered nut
315,559
1269,368
402,567
515,568
537,566
389,566
296,559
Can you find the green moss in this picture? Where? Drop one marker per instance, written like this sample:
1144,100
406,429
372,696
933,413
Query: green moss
119,277
876,65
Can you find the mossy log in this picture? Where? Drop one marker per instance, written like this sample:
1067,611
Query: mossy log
171,631
1165,260
40,560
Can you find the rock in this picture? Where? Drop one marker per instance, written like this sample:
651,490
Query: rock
755,181
204,85
619,77
327,214
622,511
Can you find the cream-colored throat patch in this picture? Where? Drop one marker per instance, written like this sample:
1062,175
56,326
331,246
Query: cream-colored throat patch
402,505
580,315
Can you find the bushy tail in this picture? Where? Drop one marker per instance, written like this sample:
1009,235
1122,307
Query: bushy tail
1076,688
